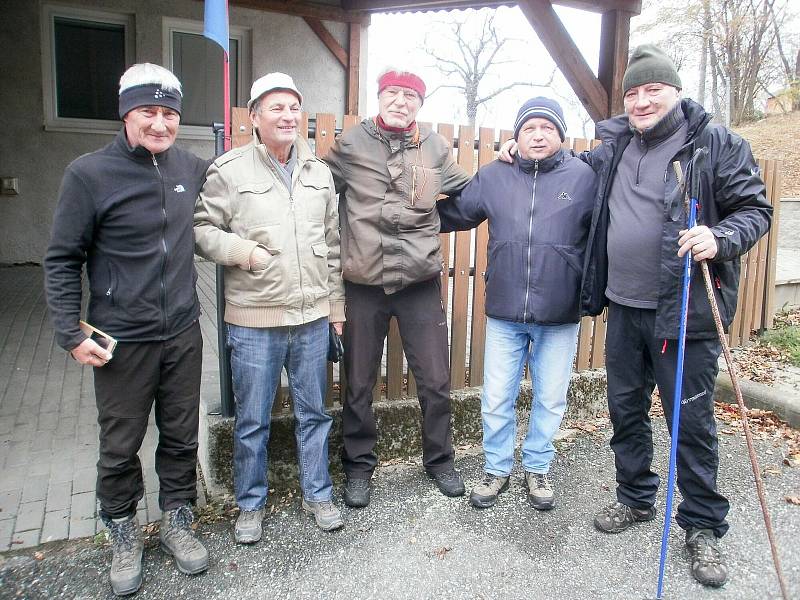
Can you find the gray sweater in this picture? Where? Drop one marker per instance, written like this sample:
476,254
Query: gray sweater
636,211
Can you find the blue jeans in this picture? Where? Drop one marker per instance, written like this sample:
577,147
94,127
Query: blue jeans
549,350
257,357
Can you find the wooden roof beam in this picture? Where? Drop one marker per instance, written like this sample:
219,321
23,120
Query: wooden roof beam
565,53
371,6
326,37
314,10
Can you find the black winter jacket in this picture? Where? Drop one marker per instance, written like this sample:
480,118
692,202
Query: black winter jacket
732,204
539,215
127,215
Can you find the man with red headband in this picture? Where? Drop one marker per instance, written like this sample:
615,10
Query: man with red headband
389,174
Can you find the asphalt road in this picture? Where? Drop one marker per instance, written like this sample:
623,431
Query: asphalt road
414,543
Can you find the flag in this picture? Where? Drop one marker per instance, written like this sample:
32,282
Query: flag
215,25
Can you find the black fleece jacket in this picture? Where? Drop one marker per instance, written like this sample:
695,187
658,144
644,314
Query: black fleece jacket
127,215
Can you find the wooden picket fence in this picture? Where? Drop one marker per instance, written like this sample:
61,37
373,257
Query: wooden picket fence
463,283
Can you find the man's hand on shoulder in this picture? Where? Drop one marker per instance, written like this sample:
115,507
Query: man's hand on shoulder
700,239
88,352
507,151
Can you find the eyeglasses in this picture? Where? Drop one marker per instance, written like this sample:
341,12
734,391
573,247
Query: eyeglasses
394,93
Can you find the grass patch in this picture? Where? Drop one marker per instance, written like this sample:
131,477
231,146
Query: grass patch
786,339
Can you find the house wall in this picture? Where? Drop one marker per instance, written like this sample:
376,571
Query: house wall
38,157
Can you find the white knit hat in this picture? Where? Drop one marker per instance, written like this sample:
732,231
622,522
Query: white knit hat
270,82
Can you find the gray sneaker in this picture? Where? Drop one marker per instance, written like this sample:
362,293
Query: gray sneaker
484,495
126,562
325,514
178,540
540,491
708,562
617,517
248,526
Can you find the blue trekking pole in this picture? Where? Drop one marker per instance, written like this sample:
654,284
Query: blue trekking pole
676,402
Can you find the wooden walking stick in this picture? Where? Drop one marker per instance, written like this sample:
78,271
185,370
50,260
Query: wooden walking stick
742,411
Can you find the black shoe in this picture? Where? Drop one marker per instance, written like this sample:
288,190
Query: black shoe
708,562
617,517
356,492
449,482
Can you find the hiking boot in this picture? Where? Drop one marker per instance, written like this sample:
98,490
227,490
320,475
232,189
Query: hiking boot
449,482
617,517
708,562
126,562
484,495
325,514
178,539
248,526
356,492
540,491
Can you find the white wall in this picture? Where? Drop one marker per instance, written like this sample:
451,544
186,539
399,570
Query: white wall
38,157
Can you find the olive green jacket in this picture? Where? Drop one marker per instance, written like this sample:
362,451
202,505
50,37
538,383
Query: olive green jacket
243,204
388,186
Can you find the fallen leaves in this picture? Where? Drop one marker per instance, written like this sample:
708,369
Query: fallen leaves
441,552
792,500
38,555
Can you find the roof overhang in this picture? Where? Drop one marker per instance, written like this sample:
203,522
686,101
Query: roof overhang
373,6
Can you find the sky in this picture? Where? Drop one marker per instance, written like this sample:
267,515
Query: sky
397,40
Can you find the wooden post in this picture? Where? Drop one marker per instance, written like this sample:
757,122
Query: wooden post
614,34
353,68
772,251
458,325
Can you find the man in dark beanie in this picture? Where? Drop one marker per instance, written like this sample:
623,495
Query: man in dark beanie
639,236
125,213
539,210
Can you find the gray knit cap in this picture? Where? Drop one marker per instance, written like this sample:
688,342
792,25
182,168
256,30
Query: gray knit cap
649,64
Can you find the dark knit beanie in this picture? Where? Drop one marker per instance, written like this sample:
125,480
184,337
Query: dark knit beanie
649,64
544,108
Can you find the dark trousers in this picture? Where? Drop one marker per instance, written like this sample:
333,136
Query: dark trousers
635,362
423,331
139,373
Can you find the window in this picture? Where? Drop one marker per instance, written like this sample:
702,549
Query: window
197,62
84,54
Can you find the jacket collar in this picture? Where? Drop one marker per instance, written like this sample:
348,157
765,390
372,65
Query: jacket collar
138,153
618,128
545,164
397,141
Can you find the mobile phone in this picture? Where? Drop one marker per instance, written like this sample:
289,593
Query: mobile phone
102,339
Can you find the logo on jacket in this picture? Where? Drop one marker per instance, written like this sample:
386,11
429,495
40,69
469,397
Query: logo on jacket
179,188
159,94
565,197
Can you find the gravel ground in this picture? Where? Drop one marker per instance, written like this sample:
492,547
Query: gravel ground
412,542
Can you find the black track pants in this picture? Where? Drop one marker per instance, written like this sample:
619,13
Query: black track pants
637,361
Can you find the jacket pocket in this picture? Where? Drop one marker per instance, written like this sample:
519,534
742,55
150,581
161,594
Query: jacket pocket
426,185
315,195
254,187
267,235
555,284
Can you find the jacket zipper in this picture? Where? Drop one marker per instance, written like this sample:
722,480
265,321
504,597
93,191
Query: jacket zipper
297,251
163,283
530,242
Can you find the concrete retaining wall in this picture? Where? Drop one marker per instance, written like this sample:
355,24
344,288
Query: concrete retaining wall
398,426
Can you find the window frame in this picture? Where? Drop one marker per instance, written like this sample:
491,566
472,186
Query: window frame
242,35
52,121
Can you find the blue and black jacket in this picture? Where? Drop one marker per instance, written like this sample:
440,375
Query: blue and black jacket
539,215
732,204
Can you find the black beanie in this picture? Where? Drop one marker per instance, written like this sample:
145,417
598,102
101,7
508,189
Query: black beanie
649,64
544,108
149,94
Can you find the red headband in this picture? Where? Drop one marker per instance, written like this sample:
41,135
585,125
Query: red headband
407,80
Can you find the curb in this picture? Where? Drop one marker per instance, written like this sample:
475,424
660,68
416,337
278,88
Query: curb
783,403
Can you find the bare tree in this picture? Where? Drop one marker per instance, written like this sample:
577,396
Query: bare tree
738,44
466,59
